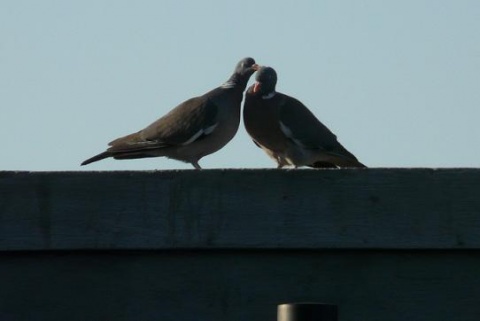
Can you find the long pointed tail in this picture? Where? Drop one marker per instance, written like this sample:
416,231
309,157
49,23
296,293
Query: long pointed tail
96,158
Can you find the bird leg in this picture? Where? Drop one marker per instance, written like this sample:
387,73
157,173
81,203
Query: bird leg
195,164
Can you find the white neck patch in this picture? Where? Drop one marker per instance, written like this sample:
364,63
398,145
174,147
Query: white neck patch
270,95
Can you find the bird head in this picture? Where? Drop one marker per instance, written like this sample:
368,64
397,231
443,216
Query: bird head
265,81
246,67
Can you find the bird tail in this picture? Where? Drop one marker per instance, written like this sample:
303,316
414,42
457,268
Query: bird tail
357,164
352,163
342,163
96,158
343,158
360,165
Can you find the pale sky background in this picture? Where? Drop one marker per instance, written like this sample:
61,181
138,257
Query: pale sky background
397,81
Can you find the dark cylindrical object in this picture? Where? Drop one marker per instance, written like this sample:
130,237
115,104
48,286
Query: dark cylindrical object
307,312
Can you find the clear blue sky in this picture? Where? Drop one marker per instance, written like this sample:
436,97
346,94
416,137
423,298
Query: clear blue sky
397,81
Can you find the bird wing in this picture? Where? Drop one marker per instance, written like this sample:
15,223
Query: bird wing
299,124
186,123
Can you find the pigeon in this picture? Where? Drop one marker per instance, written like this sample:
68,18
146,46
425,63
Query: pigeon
287,131
197,127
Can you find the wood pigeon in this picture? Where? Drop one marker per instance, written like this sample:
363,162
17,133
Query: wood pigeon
197,127
287,131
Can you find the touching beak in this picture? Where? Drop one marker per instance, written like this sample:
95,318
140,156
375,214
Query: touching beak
255,67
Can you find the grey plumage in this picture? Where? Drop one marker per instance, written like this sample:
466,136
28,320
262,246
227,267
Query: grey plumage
288,131
197,127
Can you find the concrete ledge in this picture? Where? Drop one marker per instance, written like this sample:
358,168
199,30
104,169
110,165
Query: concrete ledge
241,209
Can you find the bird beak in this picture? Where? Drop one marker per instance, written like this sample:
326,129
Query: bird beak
256,87
255,67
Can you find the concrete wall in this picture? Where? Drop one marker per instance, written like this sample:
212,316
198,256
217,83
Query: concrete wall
383,244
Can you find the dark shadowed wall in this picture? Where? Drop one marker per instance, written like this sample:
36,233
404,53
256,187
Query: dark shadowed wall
383,244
